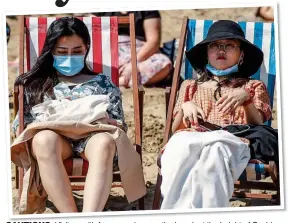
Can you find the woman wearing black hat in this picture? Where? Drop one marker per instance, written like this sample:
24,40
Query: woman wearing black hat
199,167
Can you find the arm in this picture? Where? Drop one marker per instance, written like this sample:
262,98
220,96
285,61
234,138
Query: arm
152,28
259,110
186,113
253,115
177,123
254,99
178,112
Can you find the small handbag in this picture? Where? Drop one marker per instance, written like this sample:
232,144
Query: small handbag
169,49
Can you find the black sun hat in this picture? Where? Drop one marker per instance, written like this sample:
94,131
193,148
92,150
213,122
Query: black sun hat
227,29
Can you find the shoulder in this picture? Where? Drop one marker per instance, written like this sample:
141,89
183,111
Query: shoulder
187,83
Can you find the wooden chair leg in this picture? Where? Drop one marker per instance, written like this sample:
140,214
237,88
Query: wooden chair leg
16,177
157,195
141,204
278,202
167,97
20,185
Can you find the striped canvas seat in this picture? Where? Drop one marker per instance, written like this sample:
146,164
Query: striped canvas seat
261,34
103,54
253,172
102,58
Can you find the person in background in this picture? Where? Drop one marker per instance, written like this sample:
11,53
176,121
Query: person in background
267,13
153,66
8,32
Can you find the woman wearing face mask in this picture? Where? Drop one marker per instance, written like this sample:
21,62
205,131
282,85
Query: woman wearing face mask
199,167
61,72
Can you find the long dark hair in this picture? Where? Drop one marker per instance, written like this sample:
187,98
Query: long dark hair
234,81
43,77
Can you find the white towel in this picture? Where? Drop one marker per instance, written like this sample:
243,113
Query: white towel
86,110
199,169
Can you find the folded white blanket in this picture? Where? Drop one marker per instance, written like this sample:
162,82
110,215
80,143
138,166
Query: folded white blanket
199,169
86,110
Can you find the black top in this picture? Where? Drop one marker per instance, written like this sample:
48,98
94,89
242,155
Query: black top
140,16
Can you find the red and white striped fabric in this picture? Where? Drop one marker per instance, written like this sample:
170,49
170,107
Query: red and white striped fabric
103,54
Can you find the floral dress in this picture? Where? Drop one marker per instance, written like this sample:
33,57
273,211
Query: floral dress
99,85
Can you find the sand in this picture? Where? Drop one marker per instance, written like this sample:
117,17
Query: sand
154,108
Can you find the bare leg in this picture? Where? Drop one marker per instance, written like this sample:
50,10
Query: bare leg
50,149
99,151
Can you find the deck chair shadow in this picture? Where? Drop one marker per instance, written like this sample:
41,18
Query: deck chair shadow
261,34
103,58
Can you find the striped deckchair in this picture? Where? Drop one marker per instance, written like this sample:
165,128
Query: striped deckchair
102,58
259,33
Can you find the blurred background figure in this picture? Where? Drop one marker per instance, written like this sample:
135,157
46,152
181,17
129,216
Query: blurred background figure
267,13
8,31
153,66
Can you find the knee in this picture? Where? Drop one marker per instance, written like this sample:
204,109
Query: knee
100,148
44,144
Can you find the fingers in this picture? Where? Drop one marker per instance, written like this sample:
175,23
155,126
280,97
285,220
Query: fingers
185,122
220,106
201,112
221,100
120,70
191,114
229,107
236,105
195,118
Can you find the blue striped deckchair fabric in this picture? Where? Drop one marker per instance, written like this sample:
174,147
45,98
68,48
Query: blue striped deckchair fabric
259,33
253,172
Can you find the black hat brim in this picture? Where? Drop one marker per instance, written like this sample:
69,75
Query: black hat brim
253,56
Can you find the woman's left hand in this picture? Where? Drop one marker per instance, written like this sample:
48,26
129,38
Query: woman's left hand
229,102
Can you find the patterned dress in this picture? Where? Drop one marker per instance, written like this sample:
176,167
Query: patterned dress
147,68
99,85
203,97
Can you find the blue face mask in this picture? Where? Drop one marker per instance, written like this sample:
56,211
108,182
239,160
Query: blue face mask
68,65
225,72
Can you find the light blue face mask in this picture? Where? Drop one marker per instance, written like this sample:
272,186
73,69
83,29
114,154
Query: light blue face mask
68,65
225,72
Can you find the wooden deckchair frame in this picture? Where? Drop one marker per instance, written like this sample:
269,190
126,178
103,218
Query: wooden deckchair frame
138,97
170,96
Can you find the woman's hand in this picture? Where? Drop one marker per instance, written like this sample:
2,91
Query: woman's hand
229,102
125,72
191,113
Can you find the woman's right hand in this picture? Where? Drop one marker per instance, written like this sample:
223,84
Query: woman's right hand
192,113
